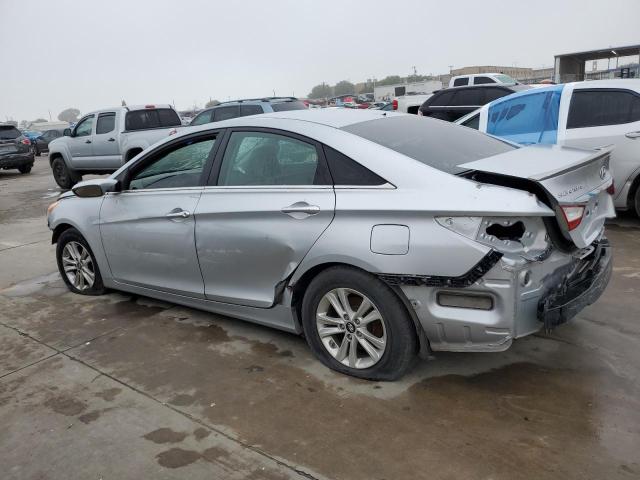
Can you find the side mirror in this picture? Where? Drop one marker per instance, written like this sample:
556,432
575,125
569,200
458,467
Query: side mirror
96,188
66,132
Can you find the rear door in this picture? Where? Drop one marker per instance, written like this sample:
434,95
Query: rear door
270,199
148,230
598,117
81,142
106,150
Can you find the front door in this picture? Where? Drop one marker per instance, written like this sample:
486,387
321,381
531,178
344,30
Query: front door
106,151
81,143
148,229
272,199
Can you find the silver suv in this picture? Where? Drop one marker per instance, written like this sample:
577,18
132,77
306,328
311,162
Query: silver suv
244,108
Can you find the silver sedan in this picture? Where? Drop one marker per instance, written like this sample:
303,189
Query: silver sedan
378,236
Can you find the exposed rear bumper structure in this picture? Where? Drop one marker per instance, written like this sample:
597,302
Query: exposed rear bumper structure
513,299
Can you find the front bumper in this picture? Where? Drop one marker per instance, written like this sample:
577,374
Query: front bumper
16,160
525,297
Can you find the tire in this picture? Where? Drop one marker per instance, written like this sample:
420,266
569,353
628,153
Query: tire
636,201
64,177
25,168
395,328
36,151
73,250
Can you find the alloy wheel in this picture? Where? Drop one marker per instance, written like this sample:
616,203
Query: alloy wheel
351,328
78,265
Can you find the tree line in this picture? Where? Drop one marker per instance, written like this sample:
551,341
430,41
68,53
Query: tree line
345,87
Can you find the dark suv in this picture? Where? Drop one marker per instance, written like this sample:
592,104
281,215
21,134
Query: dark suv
243,108
15,150
452,103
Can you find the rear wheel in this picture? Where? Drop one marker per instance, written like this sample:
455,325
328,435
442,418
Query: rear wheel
36,150
636,201
77,265
355,324
25,168
63,176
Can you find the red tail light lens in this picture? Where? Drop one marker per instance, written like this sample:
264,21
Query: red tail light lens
395,104
26,141
611,189
573,214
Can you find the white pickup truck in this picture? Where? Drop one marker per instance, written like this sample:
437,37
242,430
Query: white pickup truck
410,103
104,140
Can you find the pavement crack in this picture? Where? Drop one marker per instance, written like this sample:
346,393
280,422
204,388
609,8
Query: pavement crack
23,245
29,365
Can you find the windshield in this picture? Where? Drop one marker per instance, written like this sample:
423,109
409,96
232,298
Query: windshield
435,143
502,78
526,118
8,132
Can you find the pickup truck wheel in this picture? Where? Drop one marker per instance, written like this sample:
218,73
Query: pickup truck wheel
25,168
64,177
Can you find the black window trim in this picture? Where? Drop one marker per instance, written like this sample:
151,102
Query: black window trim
608,90
106,114
124,177
217,162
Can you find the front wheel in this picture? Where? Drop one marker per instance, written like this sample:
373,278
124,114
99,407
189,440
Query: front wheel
355,324
25,168
636,201
77,265
63,176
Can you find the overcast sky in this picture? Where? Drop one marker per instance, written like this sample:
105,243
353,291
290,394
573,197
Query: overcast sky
90,54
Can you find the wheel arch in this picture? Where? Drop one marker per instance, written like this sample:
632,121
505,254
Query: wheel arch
59,230
631,196
299,288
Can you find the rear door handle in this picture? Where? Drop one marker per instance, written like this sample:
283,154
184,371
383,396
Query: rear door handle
87,141
301,208
632,135
178,213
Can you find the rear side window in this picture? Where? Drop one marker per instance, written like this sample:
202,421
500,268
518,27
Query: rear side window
246,110
494,93
286,106
346,171
526,119
152,118
469,96
459,82
9,132
226,113
482,80
595,108
473,122
440,145
106,123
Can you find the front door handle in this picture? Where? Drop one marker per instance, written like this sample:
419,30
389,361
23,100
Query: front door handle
632,135
111,140
87,141
178,213
301,208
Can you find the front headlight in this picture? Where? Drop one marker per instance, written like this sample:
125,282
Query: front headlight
51,207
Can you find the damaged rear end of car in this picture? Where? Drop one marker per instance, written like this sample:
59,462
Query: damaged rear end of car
541,270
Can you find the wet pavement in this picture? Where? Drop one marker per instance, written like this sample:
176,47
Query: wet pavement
121,386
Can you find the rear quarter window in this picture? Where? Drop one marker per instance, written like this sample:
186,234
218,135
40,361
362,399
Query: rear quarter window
9,132
286,106
152,118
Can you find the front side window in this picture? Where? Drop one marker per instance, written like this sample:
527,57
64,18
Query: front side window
84,127
526,119
202,118
257,158
246,110
595,108
442,99
226,113
181,167
106,123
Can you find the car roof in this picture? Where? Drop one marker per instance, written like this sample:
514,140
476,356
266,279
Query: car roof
516,87
630,83
334,117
